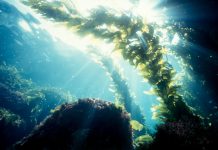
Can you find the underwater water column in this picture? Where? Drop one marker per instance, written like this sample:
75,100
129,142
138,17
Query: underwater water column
121,90
144,51
137,42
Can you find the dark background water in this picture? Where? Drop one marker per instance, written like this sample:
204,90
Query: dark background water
202,16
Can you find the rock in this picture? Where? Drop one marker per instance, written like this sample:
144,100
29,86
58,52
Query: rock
88,124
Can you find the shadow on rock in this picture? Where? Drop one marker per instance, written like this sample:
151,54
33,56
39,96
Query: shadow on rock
88,124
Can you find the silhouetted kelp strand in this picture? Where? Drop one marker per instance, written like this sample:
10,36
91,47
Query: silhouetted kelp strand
160,79
122,93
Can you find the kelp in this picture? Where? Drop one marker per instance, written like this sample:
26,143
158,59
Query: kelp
11,78
123,96
136,125
10,118
200,62
24,98
143,140
135,40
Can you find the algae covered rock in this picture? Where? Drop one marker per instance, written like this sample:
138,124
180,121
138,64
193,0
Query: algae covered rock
23,105
88,124
11,128
182,135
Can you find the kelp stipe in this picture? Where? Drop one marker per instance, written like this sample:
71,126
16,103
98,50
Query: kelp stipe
123,96
122,29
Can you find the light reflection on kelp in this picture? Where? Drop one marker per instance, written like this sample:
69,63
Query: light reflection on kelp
137,32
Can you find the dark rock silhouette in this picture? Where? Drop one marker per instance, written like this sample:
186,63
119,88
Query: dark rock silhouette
184,135
23,105
88,124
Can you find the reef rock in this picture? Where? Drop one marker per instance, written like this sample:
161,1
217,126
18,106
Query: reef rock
88,124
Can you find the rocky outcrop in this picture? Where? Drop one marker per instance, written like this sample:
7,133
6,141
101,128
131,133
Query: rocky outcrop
88,124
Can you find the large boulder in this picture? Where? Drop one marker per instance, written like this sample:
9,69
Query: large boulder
184,135
88,124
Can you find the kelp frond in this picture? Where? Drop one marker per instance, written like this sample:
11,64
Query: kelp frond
137,43
123,96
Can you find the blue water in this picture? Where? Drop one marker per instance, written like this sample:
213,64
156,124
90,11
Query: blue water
38,55
50,62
